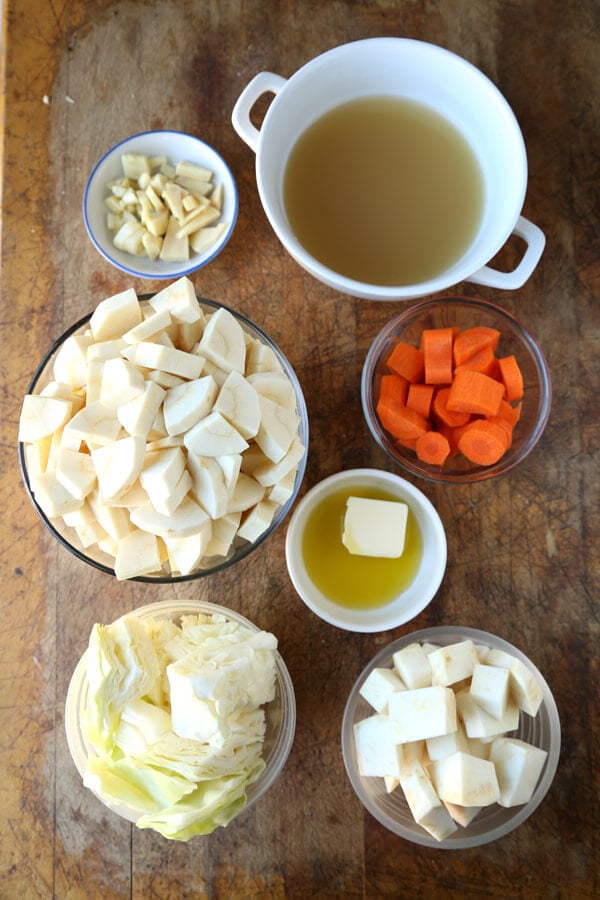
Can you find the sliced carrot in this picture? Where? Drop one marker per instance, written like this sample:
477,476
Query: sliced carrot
512,414
453,435
505,425
394,388
401,422
452,394
441,412
483,442
437,354
419,398
512,377
407,361
409,443
433,448
476,393
483,361
472,340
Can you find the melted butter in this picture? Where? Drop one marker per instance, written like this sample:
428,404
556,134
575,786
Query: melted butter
356,582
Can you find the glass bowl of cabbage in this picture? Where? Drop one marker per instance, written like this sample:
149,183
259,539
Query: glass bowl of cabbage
179,716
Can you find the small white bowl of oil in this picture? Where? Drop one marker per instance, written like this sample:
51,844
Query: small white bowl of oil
364,593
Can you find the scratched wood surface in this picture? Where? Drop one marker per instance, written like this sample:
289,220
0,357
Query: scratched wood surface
79,75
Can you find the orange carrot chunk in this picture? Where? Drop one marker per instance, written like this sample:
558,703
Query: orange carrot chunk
393,388
442,414
474,392
407,361
512,414
483,361
437,355
472,340
433,448
400,421
483,442
512,378
419,398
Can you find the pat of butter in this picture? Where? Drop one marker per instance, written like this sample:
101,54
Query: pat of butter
375,527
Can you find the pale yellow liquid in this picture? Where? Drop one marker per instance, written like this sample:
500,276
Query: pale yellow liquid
357,582
384,190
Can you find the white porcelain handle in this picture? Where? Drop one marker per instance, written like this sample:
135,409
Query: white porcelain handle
509,281
263,83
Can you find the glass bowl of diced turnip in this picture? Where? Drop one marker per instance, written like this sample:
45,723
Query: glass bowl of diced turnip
456,390
451,737
163,437
160,204
191,727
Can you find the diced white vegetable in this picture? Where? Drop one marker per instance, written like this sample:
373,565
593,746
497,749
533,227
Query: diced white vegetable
489,689
76,472
223,533
148,328
52,496
137,415
41,416
462,815
424,803
378,686
214,436
238,402
524,686
118,465
208,484
96,425
187,403
70,363
121,382
453,663
465,780
188,518
378,746
223,342
447,744
413,666
275,386
423,712
479,723
137,554
115,315
278,428
518,767
257,520
157,356
180,301
247,492
186,553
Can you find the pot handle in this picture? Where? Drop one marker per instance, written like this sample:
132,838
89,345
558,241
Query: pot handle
263,83
509,281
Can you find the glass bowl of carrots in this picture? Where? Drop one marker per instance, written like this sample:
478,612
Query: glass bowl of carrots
456,389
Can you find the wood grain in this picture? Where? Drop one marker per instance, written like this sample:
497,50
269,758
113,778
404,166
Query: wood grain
523,551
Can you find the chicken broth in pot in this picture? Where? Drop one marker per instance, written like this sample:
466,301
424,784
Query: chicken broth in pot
384,190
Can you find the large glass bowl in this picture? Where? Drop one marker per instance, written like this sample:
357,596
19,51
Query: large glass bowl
280,712
462,312
492,822
240,548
